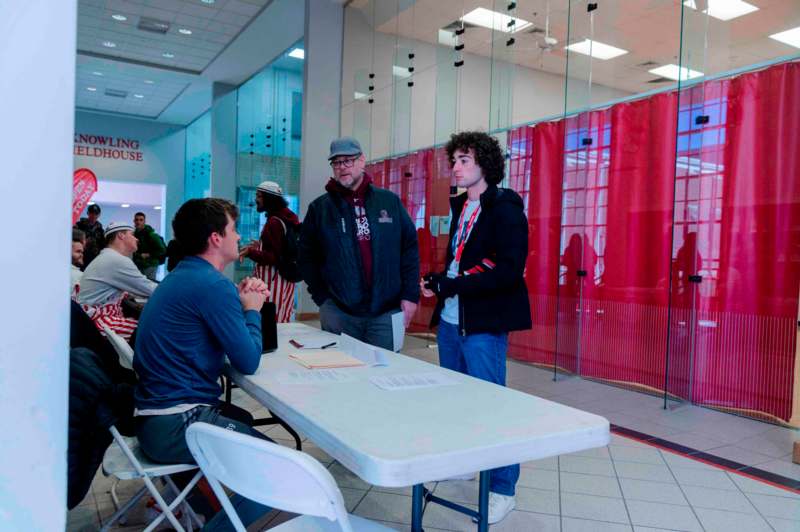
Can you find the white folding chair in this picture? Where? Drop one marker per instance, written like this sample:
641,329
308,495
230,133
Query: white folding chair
125,461
273,475
123,348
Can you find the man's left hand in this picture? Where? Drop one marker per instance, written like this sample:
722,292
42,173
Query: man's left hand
409,309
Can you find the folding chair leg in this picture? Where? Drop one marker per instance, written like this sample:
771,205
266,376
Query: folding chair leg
120,513
190,513
167,509
226,504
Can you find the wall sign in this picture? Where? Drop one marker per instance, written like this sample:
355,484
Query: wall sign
104,147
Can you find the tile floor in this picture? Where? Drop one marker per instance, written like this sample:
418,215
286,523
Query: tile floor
627,486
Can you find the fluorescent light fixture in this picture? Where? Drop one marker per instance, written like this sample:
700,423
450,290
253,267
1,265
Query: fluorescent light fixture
359,95
400,72
91,89
138,95
790,37
157,207
596,49
494,20
168,55
125,205
724,9
149,81
185,31
207,1
121,18
109,44
298,53
96,73
675,72
447,38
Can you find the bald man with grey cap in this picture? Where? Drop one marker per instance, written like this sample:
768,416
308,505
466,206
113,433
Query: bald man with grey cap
358,252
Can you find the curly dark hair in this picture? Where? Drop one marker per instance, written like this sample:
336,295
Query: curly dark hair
488,154
198,218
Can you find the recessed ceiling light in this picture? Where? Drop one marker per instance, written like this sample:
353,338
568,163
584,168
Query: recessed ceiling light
724,9
96,73
138,95
494,20
121,18
109,44
168,55
149,81
91,89
675,72
125,205
596,49
790,37
157,207
185,31
207,1
298,53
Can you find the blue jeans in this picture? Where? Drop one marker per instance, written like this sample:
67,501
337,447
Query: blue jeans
482,356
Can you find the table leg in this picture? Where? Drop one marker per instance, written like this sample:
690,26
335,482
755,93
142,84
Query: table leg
483,502
416,508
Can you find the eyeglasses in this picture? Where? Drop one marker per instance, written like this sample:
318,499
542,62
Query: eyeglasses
344,163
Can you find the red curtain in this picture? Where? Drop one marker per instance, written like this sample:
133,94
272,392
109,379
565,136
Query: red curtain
664,243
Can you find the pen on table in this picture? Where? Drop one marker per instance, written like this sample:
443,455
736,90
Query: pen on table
328,345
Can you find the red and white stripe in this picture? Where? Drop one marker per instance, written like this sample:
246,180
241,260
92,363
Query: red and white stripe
281,291
110,315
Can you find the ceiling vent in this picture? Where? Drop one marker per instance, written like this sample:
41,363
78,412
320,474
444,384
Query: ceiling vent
153,25
115,93
647,64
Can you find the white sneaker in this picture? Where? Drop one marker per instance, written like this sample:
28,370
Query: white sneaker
499,507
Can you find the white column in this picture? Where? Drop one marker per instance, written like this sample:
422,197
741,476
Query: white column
321,103
223,146
37,101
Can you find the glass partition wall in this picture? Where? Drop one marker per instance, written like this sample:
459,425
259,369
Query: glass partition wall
653,145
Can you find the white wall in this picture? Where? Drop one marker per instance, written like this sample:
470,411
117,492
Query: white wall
535,95
163,148
37,94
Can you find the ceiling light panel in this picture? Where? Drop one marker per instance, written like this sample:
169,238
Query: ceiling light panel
596,49
676,73
723,9
298,53
790,37
495,21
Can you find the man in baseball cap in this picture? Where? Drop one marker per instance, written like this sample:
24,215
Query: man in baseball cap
112,275
274,255
93,229
361,268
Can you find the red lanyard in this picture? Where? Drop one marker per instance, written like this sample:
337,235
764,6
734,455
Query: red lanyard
463,232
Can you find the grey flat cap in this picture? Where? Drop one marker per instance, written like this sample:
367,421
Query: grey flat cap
344,146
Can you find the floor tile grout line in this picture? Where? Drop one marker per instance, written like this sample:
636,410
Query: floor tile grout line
560,510
751,502
619,485
680,487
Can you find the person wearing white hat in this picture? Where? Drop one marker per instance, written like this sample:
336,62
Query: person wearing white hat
110,277
274,255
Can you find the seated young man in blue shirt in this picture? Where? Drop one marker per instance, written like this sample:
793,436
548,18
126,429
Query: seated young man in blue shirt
193,320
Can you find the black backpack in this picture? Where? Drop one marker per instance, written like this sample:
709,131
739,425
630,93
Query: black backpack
287,262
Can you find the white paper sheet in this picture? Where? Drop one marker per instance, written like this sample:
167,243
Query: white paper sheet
317,376
398,330
369,354
411,381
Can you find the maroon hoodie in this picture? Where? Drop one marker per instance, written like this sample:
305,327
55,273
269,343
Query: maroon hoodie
356,199
272,241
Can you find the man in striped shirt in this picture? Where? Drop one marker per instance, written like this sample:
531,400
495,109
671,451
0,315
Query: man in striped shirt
270,249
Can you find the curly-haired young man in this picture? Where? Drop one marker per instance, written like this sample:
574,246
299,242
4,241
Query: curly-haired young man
482,293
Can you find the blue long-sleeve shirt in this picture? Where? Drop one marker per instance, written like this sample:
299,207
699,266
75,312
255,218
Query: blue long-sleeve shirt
193,319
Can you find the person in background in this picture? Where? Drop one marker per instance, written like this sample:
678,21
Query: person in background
482,294
195,320
268,252
75,273
110,278
358,252
151,251
95,236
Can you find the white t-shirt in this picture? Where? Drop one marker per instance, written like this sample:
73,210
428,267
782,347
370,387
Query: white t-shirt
450,310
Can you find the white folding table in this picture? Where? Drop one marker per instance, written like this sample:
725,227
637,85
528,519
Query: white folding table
408,437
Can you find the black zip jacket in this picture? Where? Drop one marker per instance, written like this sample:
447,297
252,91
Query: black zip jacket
496,299
330,261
